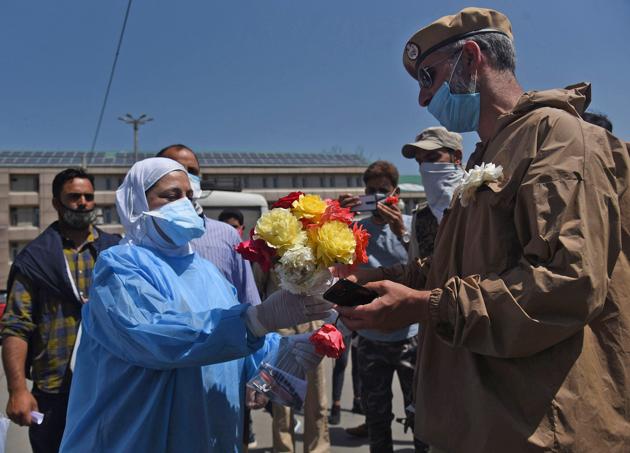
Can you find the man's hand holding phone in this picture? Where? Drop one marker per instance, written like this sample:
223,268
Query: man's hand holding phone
361,203
346,293
393,216
396,306
347,200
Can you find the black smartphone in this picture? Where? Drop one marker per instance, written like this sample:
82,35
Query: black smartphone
349,294
367,203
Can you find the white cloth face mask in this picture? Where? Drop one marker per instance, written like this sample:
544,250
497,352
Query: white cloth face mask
440,179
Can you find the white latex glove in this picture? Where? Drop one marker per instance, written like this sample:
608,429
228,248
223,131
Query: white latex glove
283,309
301,350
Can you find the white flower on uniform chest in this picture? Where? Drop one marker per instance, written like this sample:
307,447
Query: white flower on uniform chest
475,178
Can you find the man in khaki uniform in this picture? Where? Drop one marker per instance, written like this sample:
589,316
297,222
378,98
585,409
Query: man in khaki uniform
525,301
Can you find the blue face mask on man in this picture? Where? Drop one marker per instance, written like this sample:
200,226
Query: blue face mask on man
195,185
456,112
179,221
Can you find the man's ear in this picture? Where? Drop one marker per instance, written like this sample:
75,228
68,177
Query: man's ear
472,56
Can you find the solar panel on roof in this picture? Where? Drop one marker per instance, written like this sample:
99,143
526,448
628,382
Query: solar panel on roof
124,159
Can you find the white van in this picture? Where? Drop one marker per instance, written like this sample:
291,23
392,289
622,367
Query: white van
252,205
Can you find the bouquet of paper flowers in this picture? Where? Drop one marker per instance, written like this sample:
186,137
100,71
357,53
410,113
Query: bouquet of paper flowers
300,238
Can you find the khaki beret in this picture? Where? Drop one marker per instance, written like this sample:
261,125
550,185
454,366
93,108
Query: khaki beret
433,138
448,29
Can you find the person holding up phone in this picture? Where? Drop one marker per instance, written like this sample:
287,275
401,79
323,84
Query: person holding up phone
380,355
381,183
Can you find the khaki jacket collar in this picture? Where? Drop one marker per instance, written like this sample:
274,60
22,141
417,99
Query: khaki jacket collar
573,99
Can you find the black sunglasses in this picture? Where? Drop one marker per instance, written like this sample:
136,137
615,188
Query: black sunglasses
426,73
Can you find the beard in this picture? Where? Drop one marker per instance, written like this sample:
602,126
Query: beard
78,220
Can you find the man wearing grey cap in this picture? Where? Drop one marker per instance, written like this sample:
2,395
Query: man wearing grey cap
439,156
526,325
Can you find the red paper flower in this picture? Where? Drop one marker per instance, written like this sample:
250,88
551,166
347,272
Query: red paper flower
334,211
308,223
257,251
361,237
392,200
328,341
286,202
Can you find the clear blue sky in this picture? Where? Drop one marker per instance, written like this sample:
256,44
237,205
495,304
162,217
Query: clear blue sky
263,75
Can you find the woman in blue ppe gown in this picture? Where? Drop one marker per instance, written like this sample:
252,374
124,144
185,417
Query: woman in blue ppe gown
165,346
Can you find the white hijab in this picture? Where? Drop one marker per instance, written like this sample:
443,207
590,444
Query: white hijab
132,204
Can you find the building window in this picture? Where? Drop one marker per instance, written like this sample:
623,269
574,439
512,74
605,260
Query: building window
331,181
24,183
322,181
108,215
359,181
275,182
304,181
294,182
15,247
246,182
107,182
264,182
348,181
23,216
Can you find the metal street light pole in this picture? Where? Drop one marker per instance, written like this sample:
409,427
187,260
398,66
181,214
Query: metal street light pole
135,123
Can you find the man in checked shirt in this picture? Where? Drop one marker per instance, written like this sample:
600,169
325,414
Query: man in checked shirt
48,284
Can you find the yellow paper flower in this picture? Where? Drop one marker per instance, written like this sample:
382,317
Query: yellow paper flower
280,229
310,207
333,242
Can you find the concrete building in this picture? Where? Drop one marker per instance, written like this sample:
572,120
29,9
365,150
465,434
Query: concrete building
26,184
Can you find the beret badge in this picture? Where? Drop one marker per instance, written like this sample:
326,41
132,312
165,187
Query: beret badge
412,51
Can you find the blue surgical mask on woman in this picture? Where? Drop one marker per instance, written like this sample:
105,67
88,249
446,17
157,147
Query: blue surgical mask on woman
456,112
440,179
179,221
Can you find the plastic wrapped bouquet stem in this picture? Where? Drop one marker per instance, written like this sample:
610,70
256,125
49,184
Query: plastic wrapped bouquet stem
281,379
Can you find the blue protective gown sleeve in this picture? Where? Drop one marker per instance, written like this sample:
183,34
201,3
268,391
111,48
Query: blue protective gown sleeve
252,362
143,312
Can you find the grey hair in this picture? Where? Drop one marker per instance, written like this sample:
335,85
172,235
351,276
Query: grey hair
496,46
458,83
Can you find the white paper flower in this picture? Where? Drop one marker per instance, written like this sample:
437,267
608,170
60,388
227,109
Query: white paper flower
299,274
476,177
298,258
